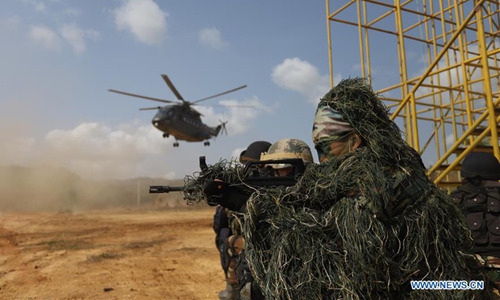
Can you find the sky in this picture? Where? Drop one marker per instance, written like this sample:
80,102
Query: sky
60,57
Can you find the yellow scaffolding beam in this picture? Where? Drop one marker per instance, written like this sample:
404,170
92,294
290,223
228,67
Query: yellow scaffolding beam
444,97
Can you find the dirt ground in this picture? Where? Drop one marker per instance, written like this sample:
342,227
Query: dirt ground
162,254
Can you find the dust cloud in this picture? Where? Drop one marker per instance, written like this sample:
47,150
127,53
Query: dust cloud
57,189
88,167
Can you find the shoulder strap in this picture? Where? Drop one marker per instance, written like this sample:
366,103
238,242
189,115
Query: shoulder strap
490,192
468,189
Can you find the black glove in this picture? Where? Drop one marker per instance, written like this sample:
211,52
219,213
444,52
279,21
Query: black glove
214,190
219,192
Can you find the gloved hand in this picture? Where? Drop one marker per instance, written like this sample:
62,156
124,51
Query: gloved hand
214,190
222,193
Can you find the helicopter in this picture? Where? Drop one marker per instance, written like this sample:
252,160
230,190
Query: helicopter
182,121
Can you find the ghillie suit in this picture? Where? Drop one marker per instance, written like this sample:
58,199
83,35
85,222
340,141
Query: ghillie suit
361,226
226,171
226,226
230,191
230,201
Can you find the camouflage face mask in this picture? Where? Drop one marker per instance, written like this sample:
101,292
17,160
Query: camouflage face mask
329,124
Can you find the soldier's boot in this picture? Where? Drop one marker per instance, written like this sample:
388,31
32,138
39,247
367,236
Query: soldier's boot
230,293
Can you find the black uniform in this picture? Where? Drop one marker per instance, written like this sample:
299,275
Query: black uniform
479,200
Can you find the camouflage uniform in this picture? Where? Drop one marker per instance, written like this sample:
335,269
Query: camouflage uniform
492,266
231,245
238,273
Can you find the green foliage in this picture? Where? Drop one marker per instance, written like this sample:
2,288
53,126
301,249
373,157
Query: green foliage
222,170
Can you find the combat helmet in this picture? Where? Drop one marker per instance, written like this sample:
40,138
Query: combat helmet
253,151
287,149
481,165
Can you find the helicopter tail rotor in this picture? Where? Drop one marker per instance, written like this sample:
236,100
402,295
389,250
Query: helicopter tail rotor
223,129
220,129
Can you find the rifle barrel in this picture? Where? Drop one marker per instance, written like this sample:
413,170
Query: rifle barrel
157,189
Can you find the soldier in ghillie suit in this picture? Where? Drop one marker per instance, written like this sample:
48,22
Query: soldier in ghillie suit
479,199
239,278
363,223
227,227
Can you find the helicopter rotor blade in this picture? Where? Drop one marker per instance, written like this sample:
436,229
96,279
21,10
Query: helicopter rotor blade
150,108
220,94
172,87
229,105
143,97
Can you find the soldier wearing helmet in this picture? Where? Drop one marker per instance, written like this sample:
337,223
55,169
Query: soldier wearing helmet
479,199
225,225
287,149
253,151
480,167
239,276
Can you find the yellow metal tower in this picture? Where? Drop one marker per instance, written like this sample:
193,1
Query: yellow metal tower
445,89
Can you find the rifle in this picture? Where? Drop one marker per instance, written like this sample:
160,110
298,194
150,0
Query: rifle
258,175
157,189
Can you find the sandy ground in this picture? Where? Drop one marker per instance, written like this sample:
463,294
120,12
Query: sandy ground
168,254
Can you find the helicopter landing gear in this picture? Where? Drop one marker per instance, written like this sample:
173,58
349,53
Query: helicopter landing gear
176,144
206,143
166,135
